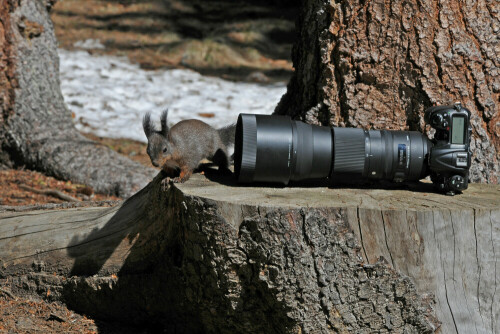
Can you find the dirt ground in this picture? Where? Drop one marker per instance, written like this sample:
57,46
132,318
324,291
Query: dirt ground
21,315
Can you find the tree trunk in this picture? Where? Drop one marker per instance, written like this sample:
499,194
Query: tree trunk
380,63
36,128
210,257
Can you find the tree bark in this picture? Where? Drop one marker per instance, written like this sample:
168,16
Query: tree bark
211,257
36,129
379,64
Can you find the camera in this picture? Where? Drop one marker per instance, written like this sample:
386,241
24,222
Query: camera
450,155
277,149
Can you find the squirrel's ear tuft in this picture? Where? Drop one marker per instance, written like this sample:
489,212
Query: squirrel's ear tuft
163,120
147,125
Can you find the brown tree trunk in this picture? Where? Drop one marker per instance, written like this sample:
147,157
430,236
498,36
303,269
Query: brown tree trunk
36,128
380,63
213,258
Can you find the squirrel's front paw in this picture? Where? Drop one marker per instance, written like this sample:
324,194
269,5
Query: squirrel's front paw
176,180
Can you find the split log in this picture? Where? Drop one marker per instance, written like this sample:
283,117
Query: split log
208,256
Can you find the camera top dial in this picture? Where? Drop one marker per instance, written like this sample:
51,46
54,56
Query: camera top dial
437,120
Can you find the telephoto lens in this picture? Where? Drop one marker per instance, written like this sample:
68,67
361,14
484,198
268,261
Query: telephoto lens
279,150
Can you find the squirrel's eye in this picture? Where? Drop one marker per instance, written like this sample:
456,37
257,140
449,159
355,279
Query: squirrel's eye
164,150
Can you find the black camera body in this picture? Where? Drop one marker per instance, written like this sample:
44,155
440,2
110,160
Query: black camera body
450,155
277,149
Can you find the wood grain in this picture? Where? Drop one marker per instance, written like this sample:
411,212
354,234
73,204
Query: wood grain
172,253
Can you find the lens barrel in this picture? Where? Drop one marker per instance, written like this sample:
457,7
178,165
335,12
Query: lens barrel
379,154
277,149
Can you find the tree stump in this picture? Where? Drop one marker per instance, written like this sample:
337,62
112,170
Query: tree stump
208,256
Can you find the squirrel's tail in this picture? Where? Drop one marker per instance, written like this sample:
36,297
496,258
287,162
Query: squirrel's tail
227,134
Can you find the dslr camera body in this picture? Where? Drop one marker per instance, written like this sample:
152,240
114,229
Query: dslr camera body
277,149
450,155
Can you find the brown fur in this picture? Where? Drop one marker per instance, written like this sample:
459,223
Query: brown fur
180,149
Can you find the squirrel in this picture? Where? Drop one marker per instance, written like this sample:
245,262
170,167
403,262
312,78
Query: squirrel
180,150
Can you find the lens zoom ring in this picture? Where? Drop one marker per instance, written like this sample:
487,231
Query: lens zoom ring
349,151
249,151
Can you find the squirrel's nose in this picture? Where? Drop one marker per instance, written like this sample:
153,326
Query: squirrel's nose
155,163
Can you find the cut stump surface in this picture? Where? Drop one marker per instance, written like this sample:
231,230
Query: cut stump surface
211,256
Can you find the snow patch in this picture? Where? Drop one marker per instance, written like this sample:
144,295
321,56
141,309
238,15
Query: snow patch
109,95
89,44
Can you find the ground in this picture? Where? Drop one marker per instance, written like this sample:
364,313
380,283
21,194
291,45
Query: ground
240,42
21,315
